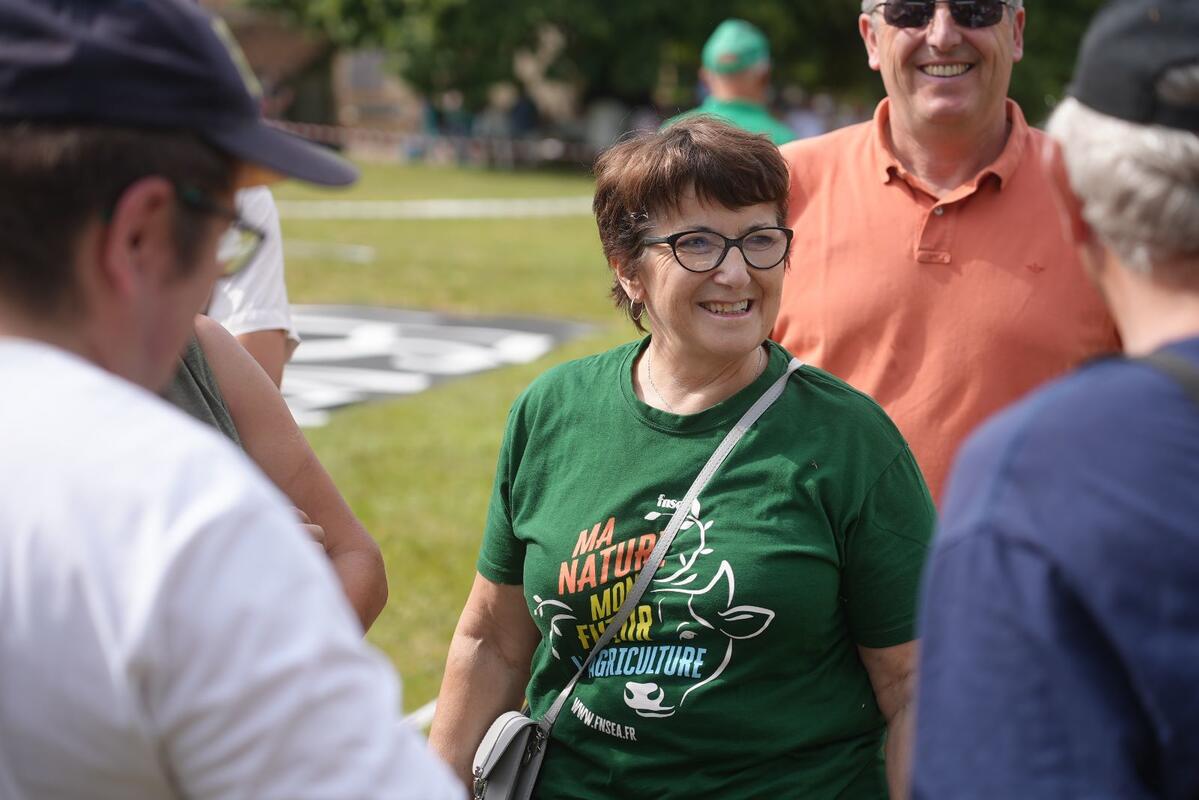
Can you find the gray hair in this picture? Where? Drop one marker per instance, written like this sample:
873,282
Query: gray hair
870,5
1138,184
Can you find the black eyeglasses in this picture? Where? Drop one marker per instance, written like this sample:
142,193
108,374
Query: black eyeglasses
239,245
703,251
918,13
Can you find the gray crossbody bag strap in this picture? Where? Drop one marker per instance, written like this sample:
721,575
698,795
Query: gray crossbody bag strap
659,552
1178,368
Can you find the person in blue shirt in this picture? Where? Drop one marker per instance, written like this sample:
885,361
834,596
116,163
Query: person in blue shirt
1060,620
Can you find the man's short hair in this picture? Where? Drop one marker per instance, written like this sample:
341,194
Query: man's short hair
647,175
1138,184
55,179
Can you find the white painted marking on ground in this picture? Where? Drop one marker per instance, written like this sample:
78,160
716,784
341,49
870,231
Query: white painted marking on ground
346,359
364,340
524,348
417,353
475,208
351,378
333,251
439,357
423,716
308,419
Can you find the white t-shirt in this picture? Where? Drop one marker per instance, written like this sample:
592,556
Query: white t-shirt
166,628
255,299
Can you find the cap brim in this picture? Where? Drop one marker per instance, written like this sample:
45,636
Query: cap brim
270,154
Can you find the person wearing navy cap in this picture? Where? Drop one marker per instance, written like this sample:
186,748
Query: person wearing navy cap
166,627
736,72
1060,625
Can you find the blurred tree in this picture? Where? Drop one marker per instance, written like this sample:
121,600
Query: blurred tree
621,49
1051,39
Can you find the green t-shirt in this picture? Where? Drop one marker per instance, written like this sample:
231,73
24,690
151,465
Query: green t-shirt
738,673
194,389
745,115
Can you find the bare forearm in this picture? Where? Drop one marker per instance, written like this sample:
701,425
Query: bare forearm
892,673
364,581
353,552
899,752
272,440
478,686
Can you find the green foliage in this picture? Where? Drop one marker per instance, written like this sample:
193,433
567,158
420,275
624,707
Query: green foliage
621,49
1051,39
615,49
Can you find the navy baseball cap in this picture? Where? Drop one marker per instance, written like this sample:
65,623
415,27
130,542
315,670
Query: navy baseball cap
148,64
1130,45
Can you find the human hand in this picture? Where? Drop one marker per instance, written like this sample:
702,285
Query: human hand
315,531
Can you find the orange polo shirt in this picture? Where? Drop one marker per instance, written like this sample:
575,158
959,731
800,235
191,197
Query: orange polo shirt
943,310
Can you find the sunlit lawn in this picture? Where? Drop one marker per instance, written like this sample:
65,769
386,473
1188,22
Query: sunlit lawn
419,182
418,470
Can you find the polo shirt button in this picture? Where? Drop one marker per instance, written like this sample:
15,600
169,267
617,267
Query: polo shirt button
939,210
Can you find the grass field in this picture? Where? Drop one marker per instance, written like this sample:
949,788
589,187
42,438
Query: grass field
418,470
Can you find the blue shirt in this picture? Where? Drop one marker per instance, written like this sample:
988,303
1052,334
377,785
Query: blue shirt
1060,619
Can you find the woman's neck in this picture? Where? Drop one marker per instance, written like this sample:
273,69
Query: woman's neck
672,384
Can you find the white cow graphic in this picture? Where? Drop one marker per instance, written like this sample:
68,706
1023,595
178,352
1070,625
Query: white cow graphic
734,621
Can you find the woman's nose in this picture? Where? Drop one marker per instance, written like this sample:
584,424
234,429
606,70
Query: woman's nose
733,271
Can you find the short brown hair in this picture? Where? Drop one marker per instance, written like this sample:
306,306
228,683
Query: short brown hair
55,178
649,174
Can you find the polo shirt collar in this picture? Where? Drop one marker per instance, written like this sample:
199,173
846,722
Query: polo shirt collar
887,166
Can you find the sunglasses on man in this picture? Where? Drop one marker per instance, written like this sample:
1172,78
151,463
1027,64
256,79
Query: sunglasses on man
966,13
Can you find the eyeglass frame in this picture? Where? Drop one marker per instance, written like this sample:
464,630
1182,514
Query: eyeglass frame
931,14
197,200
729,244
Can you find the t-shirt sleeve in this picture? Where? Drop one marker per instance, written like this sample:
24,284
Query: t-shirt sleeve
884,555
502,556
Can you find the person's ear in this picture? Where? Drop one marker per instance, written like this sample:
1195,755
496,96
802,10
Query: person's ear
1017,35
139,241
870,39
629,280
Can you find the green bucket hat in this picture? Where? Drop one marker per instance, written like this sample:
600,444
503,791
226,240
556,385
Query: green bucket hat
735,46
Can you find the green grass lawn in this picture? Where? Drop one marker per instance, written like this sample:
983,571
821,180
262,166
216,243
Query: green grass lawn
418,470
420,182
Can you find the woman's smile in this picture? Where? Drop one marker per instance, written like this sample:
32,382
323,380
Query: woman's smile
737,309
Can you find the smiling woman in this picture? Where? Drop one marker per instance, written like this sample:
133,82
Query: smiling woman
772,649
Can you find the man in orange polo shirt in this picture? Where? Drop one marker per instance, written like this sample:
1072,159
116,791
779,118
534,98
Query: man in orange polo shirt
929,269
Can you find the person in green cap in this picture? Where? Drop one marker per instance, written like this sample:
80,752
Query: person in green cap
736,71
